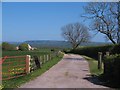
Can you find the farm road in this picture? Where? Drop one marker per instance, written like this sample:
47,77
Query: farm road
71,72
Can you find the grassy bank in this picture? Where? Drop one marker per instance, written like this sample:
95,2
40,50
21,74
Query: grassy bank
112,78
14,83
93,65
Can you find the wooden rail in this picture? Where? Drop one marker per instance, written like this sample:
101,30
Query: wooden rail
14,66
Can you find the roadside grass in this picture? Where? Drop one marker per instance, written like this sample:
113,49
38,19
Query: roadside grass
99,74
15,83
93,65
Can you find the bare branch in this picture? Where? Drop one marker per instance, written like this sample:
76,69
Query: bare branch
75,33
104,18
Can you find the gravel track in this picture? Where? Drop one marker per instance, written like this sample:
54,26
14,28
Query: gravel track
71,72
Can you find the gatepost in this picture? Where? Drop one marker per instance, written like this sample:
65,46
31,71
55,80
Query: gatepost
28,64
99,60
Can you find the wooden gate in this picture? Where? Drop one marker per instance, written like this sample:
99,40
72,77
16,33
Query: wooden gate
14,66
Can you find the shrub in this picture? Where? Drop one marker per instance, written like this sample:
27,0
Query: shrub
52,50
23,47
7,46
112,68
115,49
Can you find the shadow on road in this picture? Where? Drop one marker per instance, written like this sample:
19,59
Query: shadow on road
81,59
95,80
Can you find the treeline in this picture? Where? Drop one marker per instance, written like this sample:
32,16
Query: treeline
10,47
6,46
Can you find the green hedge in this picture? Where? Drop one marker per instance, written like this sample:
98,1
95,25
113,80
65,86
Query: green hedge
115,49
93,50
112,68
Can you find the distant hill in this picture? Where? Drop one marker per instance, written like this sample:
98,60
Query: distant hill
59,44
49,43
55,44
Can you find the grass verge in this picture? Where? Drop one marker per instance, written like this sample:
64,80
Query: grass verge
15,83
93,65
99,73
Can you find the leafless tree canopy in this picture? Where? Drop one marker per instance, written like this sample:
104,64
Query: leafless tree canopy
105,19
75,33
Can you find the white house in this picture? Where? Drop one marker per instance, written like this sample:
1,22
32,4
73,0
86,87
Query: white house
29,47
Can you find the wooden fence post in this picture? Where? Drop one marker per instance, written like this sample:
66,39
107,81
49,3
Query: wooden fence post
44,59
47,58
105,65
99,60
27,64
41,60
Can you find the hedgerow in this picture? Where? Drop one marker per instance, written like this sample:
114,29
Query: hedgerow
93,50
112,68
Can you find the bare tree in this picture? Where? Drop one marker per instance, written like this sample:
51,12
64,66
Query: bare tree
104,18
75,33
